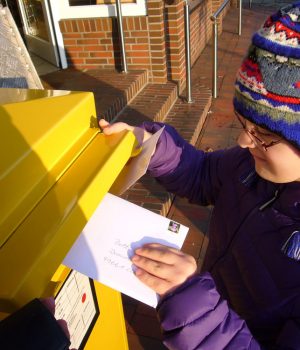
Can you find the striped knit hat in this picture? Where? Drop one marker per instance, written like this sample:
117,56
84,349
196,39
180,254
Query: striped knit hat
267,90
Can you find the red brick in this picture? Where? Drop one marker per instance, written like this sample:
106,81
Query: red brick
141,60
83,54
93,25
101,54
80,25
142,40
96,60
94,35
72,35
87,41
141,33
74,26
74,48
140,47
69,42
95,48
98,23
62,27
86,25
137,25
77,60
157,27
72,54
68,26
138,54
105,41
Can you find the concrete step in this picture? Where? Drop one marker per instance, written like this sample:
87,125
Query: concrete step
112,90
152,104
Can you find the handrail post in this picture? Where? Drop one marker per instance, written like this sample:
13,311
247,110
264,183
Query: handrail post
188,54
121,35
214,18
240,17
215,59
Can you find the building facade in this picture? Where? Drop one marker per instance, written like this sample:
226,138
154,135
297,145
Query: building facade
84,33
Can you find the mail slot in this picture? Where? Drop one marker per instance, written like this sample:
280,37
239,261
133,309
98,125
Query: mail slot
55,168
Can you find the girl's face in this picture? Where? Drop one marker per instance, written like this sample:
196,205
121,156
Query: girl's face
279,163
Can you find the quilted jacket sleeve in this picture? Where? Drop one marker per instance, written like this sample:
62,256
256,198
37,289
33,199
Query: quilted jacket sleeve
196,317
186,171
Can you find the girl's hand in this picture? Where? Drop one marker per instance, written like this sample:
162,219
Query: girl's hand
163,268
109,129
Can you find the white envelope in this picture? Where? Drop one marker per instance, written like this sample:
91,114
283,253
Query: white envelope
107,242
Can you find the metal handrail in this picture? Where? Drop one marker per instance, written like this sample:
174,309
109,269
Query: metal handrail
214,18
121,36
188,53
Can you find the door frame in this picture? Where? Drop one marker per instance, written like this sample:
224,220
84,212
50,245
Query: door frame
36,44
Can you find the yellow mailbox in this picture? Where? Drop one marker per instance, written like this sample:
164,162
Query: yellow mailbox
55,168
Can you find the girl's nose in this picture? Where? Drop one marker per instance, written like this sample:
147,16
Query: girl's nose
245,141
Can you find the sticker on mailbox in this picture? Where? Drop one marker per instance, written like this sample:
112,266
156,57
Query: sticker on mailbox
76,303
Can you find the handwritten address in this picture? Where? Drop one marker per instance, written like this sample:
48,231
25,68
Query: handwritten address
118,256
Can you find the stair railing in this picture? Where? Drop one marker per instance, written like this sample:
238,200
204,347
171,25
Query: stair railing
214,18
187,52
121,36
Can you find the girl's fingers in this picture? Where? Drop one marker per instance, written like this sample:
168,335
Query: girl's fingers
140,134
159,285
158,252
163,263
155,268
103,123
109,129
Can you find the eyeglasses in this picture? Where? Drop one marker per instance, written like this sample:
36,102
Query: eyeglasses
264,139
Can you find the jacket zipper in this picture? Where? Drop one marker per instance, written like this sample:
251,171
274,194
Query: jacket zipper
235,235
270,201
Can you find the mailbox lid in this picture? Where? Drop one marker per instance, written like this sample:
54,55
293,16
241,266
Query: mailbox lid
42,132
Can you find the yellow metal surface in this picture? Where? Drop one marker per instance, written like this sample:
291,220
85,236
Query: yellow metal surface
109,330
39,139
53,176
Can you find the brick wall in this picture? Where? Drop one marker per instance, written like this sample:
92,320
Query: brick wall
175,44
155,9
200,33
200,28
94,43
154,42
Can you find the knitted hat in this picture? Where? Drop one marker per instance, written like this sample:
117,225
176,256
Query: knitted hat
267,89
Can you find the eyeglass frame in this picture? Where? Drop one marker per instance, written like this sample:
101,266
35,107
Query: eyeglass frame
254,138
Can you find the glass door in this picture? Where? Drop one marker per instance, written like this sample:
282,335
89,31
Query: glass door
38,29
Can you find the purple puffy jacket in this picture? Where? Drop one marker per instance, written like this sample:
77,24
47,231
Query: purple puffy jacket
248,296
